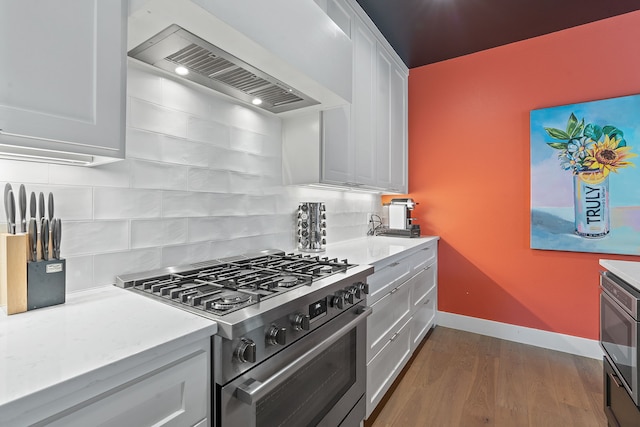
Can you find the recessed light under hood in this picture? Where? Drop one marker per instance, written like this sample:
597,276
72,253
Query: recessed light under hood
219,70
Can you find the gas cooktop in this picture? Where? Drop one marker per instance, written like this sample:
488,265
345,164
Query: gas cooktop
220,287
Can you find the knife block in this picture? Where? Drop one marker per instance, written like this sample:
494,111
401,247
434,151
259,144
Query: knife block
46,284
13,272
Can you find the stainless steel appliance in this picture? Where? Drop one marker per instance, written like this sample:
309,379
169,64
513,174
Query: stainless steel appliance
312,226
400,221
291,341
619,332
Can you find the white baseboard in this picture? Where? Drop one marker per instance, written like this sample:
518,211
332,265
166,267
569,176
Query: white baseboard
545,339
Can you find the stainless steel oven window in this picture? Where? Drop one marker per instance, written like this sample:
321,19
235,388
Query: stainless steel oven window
308,396
618,337
318,380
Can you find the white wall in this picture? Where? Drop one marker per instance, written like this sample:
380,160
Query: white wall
202,179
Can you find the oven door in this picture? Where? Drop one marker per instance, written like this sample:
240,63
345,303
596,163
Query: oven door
619,339
318,380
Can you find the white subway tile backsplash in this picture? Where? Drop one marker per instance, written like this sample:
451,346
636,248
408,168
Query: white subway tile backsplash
211,228
72,203
245,183
209,180
109,265
180,95
80,238
251,142
142,84
210,131
79,273
114,174
167,149
155,118
116,203
225,204
158,175
186,254
152,233
179,204
17,173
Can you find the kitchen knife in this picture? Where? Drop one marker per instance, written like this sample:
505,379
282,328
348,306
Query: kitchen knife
44,238
7,188
11,218
32,205
50,207
33,239
41,213
22,201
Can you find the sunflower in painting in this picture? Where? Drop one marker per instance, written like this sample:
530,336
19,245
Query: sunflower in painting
589,150
608,156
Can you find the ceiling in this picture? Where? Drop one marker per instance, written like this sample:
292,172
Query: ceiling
427,31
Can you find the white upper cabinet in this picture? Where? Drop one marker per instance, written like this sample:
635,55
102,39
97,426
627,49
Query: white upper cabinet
367,148
63,76
391,124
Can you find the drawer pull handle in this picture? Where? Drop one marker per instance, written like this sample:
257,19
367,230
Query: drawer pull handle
427,302
613,377
394,290
394,264
393,337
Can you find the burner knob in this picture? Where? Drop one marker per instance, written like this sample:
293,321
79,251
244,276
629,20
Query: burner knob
350,294
276,335
301,322
364,287
246,351
338,300
355,290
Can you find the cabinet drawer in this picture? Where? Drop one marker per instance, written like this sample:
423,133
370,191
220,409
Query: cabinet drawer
176,395
423,283
424,317
387,278
383,369
423,258
389,312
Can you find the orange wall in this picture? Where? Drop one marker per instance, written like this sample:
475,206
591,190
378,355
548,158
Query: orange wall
469,170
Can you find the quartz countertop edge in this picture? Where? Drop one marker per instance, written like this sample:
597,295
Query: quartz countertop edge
629,271
373,250
50,352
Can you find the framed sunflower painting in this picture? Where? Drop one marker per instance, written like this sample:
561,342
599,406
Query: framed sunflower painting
585,186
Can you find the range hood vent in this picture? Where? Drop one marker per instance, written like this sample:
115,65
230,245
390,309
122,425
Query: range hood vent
218,70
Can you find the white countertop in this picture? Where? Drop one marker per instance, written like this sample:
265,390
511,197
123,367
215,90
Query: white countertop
629,271
94,330
372,249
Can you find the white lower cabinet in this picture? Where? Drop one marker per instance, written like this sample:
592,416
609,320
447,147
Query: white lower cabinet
403,294
385,366
175,394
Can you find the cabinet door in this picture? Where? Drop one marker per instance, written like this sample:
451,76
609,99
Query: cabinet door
363,113
174,396
337,149
62,78
383,369
398,122
391,116
388,312
341,14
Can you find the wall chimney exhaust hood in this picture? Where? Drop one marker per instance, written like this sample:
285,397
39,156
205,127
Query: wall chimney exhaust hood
205,64
288,54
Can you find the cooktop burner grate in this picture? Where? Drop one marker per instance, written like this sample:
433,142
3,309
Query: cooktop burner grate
223,287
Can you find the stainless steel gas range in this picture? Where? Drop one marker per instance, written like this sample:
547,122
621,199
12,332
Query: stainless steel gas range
291,342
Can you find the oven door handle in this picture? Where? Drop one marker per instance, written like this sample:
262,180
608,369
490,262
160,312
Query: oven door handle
250,392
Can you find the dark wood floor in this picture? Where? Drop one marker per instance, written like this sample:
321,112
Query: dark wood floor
464,379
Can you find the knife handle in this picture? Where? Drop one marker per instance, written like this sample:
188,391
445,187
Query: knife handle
44,239
33,239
